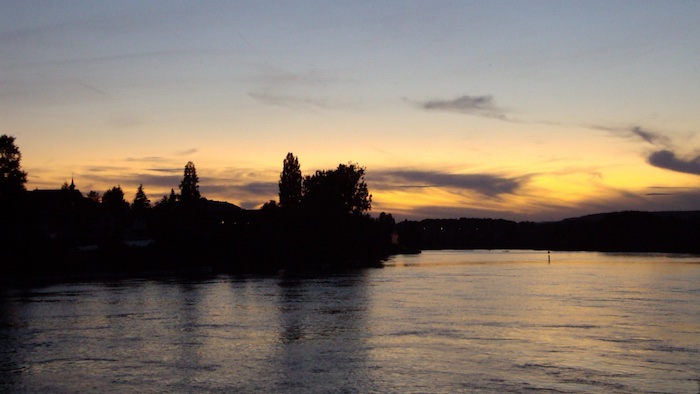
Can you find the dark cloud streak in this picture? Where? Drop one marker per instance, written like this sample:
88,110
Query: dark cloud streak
262,189
666,157
638,132
668,160
166,170
472,105
462,104
487,184
650,137
188,152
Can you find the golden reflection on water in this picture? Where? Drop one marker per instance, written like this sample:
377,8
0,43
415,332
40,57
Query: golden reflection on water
588,313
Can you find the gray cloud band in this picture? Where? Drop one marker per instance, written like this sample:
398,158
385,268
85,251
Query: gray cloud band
472,105
487,184
664,158
668,160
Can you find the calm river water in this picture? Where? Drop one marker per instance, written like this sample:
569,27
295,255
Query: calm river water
442,321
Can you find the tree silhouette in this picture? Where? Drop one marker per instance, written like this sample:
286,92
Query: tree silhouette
189,187
339,191
169,200
114,201
141,201
172,197
115,210
270,206
12,178
94,196
290,184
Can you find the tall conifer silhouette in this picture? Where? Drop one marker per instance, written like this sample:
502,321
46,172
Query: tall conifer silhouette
189,187
290,182
12,178
141,201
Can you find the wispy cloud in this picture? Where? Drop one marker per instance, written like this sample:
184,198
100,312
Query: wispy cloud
290,101
146,159
306,90
157,181
248,195
88,86
262,190
101,169
276,78
680,198
462,104
166,170
639,133
484,106
188,152
126,177
666,157
486,184
650,137
668,191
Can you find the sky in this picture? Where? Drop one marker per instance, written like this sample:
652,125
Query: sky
536,110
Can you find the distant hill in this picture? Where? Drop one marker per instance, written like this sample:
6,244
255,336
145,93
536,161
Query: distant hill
222,207
665,214
627,231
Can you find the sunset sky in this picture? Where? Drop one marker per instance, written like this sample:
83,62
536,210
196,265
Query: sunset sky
523,110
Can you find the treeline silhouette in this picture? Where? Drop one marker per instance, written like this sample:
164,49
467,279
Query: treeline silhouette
630,231
320,222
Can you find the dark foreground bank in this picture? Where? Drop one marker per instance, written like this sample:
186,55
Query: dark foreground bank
221,238
211,238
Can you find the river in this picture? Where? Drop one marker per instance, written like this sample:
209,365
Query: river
441,321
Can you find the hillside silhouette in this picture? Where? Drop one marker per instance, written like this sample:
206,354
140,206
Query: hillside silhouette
629,231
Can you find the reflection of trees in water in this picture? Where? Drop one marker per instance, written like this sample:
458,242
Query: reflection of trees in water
186,331
323,327
10,365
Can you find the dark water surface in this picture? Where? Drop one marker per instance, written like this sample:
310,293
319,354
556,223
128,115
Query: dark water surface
448,321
